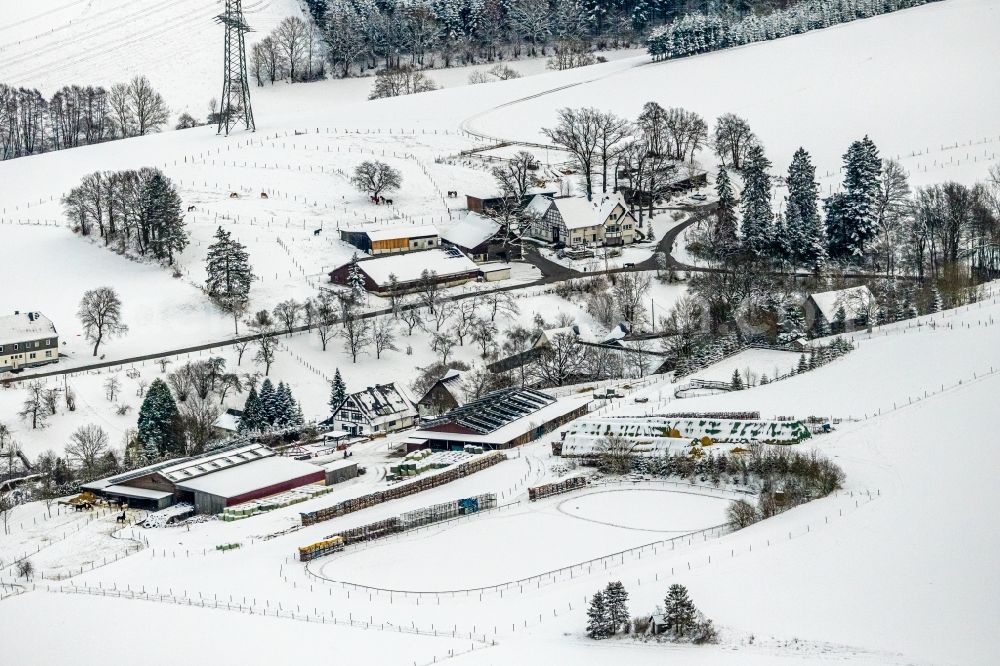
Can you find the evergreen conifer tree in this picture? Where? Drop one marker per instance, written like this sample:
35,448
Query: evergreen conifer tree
229,274
737,381
803,364
802,213
162,205
355,280
616,601
251,421
758,217
338,391
679,610
862,168
268,404
597,617
284,406
724,233
160,422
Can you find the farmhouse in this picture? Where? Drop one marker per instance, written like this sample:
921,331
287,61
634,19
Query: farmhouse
390,240
822,308
500,420
27,340
480,238
576,221
446,268
444,395
377,410
211,481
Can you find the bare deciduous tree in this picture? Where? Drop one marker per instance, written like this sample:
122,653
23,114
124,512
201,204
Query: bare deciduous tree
384,335
112,387
33,407
374,178
357,334
87,445
403,80
732,138
579,132
101,315
442,345
287,312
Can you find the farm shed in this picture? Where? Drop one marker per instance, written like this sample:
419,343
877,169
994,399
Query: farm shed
449,267
479,237
502,419
340,471
391,240
213,492
140,498
495,271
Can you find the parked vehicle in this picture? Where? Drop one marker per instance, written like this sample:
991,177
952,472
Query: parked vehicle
642,398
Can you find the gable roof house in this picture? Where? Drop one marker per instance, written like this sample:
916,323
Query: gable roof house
822,308
27,340
450,266
444,395
390,240
576,221
479,237
377,410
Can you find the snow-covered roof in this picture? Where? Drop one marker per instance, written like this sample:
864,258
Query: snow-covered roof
136,493
213,462
251,476
608,205
578,213
538,206
408,266
579,332
382,401
493,267
228,420
398,231
850,299
472,230
24,326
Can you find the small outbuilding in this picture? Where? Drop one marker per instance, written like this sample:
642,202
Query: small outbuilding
443,396
392,240
444,267
822,309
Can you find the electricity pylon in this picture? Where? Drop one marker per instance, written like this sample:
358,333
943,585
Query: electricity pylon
235,103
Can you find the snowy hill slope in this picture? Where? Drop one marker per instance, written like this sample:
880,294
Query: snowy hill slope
913,80
175,43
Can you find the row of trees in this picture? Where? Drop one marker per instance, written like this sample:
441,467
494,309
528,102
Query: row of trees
875,221
77,116
703,32
274,408
607,614
291,51
645,153
132,211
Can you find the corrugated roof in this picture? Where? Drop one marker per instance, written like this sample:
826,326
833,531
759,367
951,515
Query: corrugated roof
216,461
398,231
250,477
494,410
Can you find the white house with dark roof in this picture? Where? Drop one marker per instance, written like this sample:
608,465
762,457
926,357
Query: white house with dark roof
577,221
27,340
377,410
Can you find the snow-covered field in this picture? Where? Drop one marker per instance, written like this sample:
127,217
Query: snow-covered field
897,568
